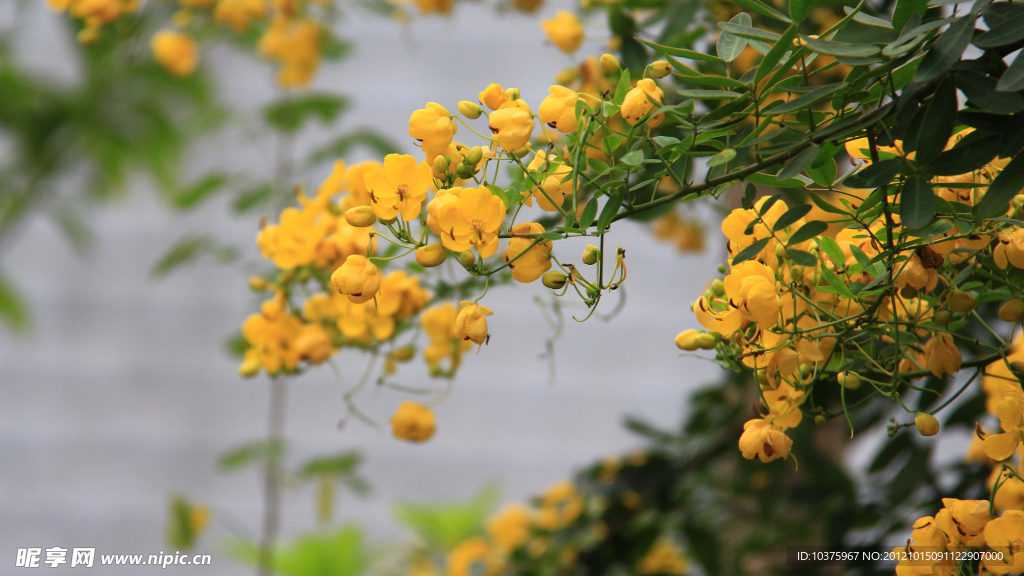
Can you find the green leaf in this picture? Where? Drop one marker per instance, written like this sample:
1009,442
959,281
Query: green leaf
1013,79
939,121
723,157
980,89
730,46
826,207
947,49
634,158
255,452
824,175
500,193
446,525
917,202
589,213
344,145
1005,33
748,32
1007,185
834,281
807,100
840,48
800,9
763,9
807,231
799,163
712,94
13,308
771,180
193,195
800,257
905,9
877,174
937,228
750,251
681,52
290,114
792,215
966,158
772,58
868,19
831,247
611,208
253,198
337,465
622,88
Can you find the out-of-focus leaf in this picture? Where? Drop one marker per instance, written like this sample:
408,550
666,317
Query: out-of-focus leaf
13,308
190,249
290,114
445,525
255,452
358,139
193,195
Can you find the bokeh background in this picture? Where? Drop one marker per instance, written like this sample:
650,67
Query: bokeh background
122,393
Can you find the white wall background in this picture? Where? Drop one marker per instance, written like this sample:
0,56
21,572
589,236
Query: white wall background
122,393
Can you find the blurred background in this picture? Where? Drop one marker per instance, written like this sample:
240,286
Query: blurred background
121,392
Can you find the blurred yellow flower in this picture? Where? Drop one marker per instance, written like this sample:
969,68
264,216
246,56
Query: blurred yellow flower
564,31
177,52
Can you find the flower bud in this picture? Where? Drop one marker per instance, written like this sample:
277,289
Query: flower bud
358,278
609,63
513,94
1017,201
687,340
404,353
473,156
660,69
762,378
467,258
805,370
849,380
257,283
591,254
705,341
441,164
718,288
926,424
1012,310
960,301
942,317
470,110
721,268
430,255
250,366
820,420
554,279
360,216
908,292
522,152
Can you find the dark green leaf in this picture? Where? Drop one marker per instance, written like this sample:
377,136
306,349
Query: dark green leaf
1007,185
825,174
800,257
589,213
807,100
905,9
966,158
875,175
826,207
1013,79
772,58
980,89
807,231
834,281
289,115
947,49
831,247
712,94
1005,33
750,251
799,163
791,216
939,121
622,88
917,202
682,52
800,9
840,48
611,208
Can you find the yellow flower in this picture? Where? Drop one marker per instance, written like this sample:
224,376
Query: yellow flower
941,355
239,14
1010,411
357,278
465,218
558,110
493,96
664,557
641,100
398,187
553,184
564,31
512,125
510,527
314,344
176,52
439,324
764,440
784,406
343,242
963,521
413,422
431,255
471,323
916,274
472,557
296,45
1005,534
355,182
1010,495
536,261
1010,249
296,240
434,127
271,335
560,505
750,295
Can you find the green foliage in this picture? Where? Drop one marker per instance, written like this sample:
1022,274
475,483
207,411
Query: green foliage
442,526
339,553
